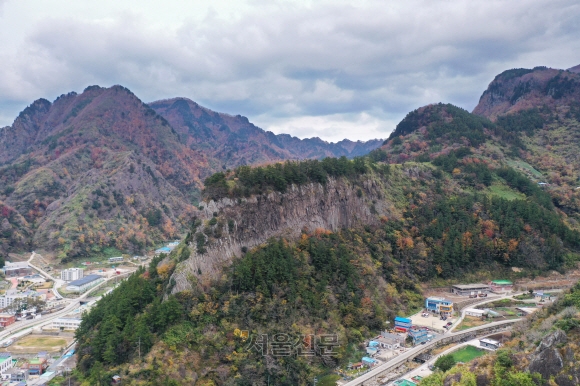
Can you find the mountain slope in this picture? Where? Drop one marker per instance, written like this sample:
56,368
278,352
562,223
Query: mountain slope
101,170
232,141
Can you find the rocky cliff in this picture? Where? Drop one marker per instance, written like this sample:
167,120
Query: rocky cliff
249,222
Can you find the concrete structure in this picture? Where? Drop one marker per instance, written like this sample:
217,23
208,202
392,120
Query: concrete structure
12,295
66,323
5,362
501,285
84,284
489,343
389,341
475,312
7,320
402,324
117,259
439,306
467,289
17,375
72,274
37,366
17,269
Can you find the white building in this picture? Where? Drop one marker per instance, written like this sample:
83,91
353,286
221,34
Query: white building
11,295
71,274
84,284
5,362
66,323
489,343
475,312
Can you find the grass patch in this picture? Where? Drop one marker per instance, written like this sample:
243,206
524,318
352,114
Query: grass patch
467,354
505,192
470,322
328,380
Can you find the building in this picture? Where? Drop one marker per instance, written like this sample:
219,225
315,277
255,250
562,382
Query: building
402,324
84,284
37,366
419,335
117,259
356,366
162,250
5,362
116,380
489,343
389,341
72,274
470,289
17,269
11,296
66,323
369,362
35,279
7,320
17,374
475,312
501,286
439,306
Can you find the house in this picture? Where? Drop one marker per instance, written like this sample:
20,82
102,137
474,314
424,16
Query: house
389,341
71,274
356,366
501,285
369,362
37,366
404,382
17,374
371,351
16,269
6,319
489,343
82,285
402,324
468,289
475,312
5,362
162,250
116,380
439,306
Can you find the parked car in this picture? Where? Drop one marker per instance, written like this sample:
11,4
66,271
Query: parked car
449,323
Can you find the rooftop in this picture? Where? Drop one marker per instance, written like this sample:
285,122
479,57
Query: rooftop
489,341
502,282
85,280
37,361
470,286
438,299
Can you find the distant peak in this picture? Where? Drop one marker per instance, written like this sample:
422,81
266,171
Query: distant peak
575,69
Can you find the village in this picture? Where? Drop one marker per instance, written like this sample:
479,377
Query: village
460,307
41,306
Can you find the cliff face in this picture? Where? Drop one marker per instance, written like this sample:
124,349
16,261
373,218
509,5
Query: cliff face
250,222
521,89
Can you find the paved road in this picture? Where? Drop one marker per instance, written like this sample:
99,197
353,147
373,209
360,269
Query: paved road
57,282
403,357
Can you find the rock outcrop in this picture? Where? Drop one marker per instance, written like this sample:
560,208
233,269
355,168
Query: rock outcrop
547,359
338,204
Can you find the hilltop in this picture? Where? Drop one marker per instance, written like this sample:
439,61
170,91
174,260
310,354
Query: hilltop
103,172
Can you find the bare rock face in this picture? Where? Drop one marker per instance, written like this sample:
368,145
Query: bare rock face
547,359
338,204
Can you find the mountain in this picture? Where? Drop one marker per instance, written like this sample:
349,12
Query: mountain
231,141
102,172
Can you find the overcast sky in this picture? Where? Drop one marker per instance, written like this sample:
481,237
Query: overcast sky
333,69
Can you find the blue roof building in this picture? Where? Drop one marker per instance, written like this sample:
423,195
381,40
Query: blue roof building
402,324
419,335
440,306
368,361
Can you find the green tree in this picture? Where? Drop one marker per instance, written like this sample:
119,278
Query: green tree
445,362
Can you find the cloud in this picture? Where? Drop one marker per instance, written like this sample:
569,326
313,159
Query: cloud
306,68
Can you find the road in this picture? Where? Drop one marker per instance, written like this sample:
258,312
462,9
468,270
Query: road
403,357
57,282
460,319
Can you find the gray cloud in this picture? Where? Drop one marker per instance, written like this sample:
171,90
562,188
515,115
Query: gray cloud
302,69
